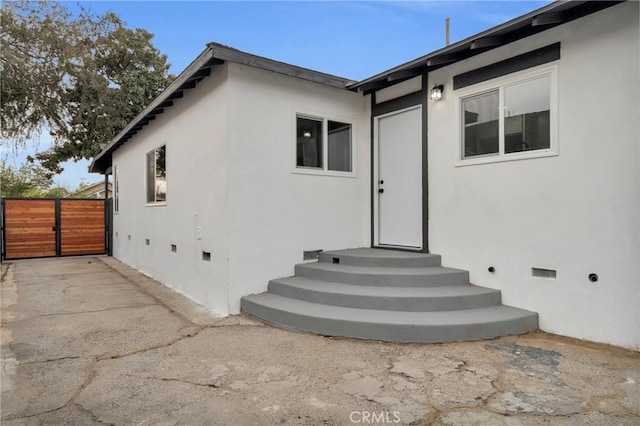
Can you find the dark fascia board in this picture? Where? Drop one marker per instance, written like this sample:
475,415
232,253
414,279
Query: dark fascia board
214,54
527,60
547,18
543,18
226,53
490,41
407,73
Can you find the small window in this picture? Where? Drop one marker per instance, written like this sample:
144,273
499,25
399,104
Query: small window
309,143
481,124
509,120
156,176
339,146
527,112
324,145
116,190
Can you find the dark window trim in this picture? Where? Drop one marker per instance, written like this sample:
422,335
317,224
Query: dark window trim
527,60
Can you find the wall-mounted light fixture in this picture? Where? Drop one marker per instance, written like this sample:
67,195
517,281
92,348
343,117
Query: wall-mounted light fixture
436,92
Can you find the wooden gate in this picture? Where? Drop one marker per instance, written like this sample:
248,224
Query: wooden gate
53,227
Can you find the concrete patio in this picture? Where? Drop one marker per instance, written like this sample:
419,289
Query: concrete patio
88,341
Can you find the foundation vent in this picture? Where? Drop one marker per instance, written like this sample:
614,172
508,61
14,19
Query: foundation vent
311,254
543,273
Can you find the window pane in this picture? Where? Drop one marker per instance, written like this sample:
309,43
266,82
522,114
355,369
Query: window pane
339,146
309,143
161,175
480,124
527,111
151,171
116,190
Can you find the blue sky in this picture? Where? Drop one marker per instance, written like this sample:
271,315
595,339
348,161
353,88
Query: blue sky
350,39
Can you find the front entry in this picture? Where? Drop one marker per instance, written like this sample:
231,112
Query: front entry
398,178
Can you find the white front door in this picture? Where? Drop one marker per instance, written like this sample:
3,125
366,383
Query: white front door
398,184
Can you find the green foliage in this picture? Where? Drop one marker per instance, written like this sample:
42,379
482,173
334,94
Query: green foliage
57,192
28,180
78,192
84,77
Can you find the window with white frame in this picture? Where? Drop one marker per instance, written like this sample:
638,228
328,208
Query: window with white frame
513,118
323,144
157,176
116,190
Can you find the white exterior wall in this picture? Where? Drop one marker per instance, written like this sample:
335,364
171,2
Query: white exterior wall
230,171
194,130
578,212
276,214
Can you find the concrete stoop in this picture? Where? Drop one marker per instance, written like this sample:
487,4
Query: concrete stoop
387,295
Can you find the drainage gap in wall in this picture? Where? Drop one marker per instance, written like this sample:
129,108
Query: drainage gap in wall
146,241
206,256
311,254
543,273
174,248
336,260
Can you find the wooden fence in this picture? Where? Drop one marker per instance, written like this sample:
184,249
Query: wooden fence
53,227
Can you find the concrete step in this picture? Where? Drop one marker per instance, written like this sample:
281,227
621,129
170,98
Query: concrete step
407,299
386,295
393,326
383,276
380,257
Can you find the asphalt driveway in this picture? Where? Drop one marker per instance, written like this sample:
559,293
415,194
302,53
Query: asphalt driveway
89,341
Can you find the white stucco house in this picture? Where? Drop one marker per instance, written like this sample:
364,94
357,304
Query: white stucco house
513,154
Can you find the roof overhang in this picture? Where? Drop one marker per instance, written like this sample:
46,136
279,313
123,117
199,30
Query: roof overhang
214,54
539,20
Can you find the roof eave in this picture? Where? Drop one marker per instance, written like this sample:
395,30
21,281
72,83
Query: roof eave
479,41
230,54
205,58
214,54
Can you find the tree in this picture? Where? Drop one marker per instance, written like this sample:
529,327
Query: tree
83,77
57,192
28,180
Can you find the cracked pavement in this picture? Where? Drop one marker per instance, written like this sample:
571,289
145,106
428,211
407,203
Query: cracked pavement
89,341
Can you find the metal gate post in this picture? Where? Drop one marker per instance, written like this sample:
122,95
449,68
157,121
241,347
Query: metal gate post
108,225
58,230
2,234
